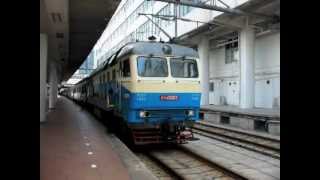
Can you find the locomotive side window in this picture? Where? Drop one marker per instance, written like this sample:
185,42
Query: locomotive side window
126,68
152,67
184,68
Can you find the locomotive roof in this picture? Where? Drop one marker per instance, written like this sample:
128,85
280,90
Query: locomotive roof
144,48
155,48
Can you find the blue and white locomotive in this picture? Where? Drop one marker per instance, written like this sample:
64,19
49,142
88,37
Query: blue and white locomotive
154,87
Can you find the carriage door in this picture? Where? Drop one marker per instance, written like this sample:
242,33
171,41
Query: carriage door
104,88
107,88
120,84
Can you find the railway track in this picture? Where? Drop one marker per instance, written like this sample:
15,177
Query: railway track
160,171
261,144
189,166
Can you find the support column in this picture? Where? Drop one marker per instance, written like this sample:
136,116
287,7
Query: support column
43,75
53,86
203,49
247,38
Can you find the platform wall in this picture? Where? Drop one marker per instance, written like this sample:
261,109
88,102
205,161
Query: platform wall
267,74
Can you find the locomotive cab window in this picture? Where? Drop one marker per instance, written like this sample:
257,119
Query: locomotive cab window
184,68
126,68
152,67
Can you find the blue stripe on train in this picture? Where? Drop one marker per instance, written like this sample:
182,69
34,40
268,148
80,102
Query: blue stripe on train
161,110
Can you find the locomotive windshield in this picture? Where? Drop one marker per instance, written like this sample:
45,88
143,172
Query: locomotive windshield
152,67
184,68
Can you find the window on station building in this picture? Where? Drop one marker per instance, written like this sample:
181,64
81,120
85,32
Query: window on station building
211,86
231,52
167,10
183,10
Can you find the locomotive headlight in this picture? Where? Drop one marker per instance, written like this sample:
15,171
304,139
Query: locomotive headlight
144,114
190,112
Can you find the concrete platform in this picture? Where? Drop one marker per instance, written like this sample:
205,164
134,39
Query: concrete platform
249,164
267,120
74,146
271,113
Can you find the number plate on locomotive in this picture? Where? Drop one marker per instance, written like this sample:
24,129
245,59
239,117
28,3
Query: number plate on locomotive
169,98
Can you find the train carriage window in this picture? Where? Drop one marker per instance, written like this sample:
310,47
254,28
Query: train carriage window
113,74
152,67
126,68
108,76
184,68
